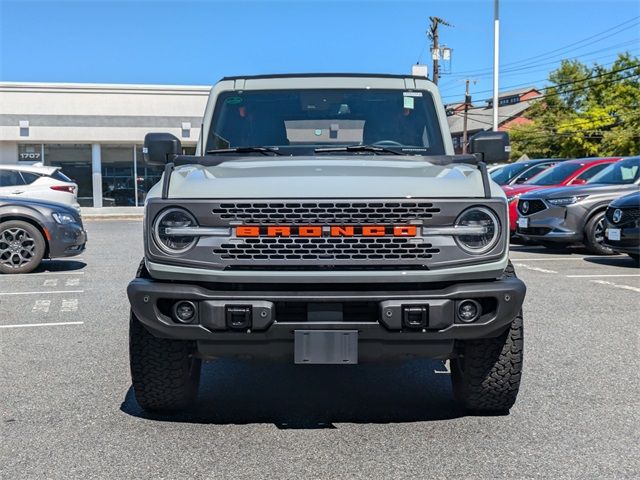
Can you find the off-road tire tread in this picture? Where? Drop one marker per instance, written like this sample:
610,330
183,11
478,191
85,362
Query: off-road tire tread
490,380
165,377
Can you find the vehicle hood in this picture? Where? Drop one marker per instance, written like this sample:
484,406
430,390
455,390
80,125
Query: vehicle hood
32,203
628,201
594,189
321,177
512,191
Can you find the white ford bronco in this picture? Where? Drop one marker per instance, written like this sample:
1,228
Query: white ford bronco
324,219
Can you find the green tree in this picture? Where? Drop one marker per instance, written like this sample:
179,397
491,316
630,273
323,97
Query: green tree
586,111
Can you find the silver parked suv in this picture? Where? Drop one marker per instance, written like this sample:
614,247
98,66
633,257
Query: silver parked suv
325,220
563,216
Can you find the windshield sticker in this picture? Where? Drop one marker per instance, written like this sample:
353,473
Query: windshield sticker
412,94
233,100
409,103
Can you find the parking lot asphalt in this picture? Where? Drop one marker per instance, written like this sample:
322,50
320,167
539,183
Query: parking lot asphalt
68,410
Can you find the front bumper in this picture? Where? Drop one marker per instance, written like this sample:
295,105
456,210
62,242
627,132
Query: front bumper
66,240
629,240
281,310
555,224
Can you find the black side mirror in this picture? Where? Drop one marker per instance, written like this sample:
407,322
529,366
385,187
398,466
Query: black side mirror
520,180
158,147
492,146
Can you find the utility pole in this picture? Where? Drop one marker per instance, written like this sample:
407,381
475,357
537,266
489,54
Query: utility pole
467,104
496,61
435,44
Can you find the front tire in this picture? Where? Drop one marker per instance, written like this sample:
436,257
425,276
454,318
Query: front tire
594,236
635,257
486,377
22,247
164,372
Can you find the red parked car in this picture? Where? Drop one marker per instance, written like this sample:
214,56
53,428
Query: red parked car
570,172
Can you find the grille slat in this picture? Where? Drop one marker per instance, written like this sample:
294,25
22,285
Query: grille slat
325,212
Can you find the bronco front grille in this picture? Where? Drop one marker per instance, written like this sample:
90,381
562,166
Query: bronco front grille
324,212
399,250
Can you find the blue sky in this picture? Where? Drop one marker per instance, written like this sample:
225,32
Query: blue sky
197,42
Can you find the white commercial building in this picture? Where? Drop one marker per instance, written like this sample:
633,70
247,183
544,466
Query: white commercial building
95,132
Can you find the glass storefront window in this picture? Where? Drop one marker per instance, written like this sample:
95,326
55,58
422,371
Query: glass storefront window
117,176
75,162
148,175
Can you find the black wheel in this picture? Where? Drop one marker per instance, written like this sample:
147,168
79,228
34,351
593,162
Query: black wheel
165,374
22,247
635,257
486,376
594,236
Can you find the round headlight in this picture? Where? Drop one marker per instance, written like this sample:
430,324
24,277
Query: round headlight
484,230
164,230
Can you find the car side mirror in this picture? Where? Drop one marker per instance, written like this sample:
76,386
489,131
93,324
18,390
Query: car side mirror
520,180
491,146
158,147
578,181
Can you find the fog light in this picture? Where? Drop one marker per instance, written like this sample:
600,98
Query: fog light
184,312
469,311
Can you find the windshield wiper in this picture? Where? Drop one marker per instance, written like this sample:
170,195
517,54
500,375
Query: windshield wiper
263,150
359,148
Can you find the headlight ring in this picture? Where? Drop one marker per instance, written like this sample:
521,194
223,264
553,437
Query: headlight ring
173,218
480,243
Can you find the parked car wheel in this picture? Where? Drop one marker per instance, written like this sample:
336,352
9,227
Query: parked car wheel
636,258
164,372
594,236
22,247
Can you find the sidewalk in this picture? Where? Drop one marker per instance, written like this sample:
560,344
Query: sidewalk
112,213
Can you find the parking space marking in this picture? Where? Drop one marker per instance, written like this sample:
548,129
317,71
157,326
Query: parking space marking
51,292
535,269
26,275
616,285
547,259
605,275
69,305
52,324
50,283
41,306
72,282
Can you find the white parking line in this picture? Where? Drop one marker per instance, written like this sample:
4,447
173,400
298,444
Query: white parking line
52,324
26,275
42,293
535,269
605,275
548,259
616,285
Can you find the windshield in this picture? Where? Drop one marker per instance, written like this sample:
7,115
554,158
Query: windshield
555,175
505,174
298,121
621,173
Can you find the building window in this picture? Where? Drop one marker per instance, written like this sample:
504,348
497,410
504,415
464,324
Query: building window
75,163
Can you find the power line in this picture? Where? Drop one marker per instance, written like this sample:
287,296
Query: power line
564,48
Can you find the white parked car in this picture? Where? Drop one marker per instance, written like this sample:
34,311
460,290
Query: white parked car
38,182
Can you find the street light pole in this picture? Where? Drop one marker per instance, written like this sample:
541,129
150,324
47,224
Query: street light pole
496,61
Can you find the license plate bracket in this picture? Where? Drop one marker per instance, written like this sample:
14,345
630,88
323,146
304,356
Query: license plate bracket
325,347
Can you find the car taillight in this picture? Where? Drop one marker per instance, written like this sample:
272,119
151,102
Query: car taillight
64,188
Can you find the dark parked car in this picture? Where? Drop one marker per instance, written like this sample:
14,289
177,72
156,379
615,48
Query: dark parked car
622,226
520,172
31,230
560,216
